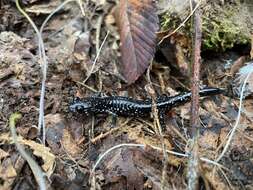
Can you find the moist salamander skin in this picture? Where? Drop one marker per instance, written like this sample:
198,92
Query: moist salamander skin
129,107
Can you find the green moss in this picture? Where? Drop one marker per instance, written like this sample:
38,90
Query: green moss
222,33
169,21
221,27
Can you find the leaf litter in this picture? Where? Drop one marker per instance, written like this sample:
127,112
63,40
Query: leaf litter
72,147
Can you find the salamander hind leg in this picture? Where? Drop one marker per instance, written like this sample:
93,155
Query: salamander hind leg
113,118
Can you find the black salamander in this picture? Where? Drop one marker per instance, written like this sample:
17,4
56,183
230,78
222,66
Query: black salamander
128,107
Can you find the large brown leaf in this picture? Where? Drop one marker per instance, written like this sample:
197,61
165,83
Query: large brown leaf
138,24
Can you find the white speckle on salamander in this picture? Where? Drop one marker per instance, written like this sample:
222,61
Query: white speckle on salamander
130,107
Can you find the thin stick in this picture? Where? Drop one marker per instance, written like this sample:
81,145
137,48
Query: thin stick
193,164
181,25
44,71
111,149
230,137
96,58
195,73
81,7
225,176
52,13
99,160
42,55
37,171
157,125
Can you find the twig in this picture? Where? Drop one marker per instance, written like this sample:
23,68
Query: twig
182,24
91,131
42,55
96,58
102,156
232,132
193,165
195,73
52,13
98,29
42,52
86,86
81,7
158,128
103,135
37,171
227,179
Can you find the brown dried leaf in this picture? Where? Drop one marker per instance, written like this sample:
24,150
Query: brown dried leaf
138,24
7,170
121,164
59,135
41,151
3,154
44,8
38,149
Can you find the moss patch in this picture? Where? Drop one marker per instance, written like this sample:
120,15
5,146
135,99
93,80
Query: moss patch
223,26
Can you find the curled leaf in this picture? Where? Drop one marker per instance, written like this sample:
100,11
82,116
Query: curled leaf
138,23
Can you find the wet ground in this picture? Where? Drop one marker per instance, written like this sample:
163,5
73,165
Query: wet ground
76,141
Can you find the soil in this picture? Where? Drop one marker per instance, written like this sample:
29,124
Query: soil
74,142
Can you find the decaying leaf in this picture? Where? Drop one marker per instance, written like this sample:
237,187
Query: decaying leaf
7,174
38,149
3,154
138,24
59,136
7,170
44,152
121,164
44,8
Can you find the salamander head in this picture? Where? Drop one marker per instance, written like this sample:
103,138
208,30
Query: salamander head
81,106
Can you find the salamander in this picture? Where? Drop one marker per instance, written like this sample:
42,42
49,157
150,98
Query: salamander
129,107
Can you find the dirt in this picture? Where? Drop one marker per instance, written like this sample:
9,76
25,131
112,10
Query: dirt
75,142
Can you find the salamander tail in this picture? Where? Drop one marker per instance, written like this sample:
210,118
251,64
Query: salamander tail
186,97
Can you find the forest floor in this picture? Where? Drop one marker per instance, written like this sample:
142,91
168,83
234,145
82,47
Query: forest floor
75,142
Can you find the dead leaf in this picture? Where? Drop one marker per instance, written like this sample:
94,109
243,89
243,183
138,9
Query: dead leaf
38,149
251,52
44,152
149,162
3,154
44,8
7,170
69,144
138,24
121,164
238,63
7,174
138,136
54,134
59,135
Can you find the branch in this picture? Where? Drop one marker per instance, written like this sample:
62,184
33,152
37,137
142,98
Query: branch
193,165
36,169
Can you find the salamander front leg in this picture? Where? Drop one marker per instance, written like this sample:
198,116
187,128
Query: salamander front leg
161,120
113,119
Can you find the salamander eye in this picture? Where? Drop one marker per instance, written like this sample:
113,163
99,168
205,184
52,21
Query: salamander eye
76,107
76,99
79,108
